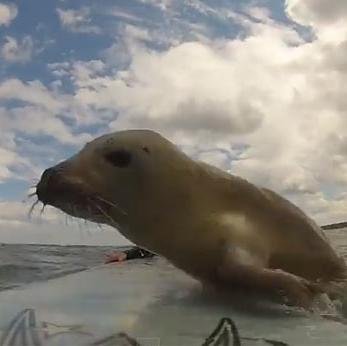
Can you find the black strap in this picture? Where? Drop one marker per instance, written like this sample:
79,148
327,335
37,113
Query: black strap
137,252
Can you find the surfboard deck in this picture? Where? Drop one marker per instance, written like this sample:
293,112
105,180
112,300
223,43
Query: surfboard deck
151,304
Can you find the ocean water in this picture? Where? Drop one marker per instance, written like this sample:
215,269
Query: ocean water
24,263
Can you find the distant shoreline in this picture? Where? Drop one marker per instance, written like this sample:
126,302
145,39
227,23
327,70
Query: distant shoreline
335,225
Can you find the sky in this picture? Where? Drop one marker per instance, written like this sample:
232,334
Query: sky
255,87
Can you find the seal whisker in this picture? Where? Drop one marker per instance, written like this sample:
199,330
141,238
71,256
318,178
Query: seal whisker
42,209
90,212
75,211
112,204
32,208
86,221
69,217
27,198
106,215
87,224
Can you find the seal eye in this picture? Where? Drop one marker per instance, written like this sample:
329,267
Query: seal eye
119,158
145,149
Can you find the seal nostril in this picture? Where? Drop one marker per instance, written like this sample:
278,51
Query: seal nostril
44,185
48,173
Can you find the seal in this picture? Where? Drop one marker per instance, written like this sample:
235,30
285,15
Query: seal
217,227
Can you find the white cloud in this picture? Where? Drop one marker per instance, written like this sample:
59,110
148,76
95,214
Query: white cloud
43,110
205,9
8,12
161,4
129,38
77,21
317,12
33,92
34,121
84,71
280,97
260,13
17,51
124,15
327,18
325,210
8,158
34,111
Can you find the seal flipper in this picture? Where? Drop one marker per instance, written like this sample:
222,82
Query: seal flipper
241,268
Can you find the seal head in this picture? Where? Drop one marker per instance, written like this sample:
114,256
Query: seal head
114,177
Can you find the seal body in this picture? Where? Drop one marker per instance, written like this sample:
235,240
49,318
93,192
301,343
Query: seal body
217,227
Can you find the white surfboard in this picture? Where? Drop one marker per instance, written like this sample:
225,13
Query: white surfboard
148,303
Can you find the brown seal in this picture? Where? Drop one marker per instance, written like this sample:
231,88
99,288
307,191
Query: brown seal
217,227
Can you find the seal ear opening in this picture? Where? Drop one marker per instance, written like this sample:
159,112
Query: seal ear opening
119,158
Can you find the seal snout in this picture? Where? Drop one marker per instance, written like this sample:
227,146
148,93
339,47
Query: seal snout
47,186
62,188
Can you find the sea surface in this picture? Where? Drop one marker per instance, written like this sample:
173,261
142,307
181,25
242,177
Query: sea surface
25,263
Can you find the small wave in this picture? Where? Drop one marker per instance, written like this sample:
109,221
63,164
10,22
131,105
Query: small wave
11,268
21,264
